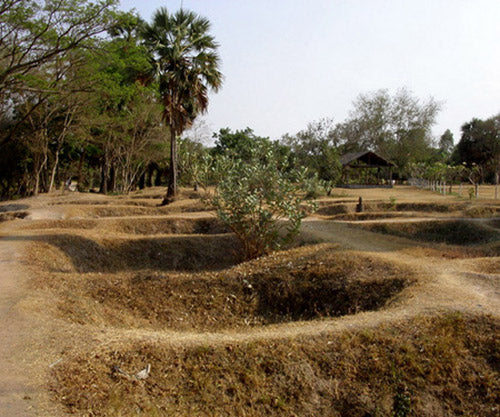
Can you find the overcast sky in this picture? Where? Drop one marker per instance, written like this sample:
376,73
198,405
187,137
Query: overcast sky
289,62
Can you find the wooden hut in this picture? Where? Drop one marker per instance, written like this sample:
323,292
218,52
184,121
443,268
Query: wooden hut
365,170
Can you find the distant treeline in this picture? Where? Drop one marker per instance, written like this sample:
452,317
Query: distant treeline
78,102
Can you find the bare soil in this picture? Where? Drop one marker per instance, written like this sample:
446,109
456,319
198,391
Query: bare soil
401,302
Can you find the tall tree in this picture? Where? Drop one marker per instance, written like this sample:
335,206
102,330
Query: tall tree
316,148
36,33
480,145
397,126
186,68
446,143
239,143
119,119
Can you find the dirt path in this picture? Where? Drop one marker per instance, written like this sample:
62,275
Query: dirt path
448,285
421,220
15,381
26,341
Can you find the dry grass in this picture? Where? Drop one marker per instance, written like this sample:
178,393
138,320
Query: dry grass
482,211
372,215
379,209
443,251
4,217
130,283
454,232
408,193
299,284
442,365
86,253
485,265
141,225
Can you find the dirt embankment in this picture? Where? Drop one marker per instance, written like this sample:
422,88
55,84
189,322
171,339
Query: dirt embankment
148,311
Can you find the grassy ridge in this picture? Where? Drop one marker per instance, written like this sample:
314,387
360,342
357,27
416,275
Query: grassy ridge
444,365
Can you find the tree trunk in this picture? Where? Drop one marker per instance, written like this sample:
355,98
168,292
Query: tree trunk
103,189
38,173
158,177
142,181
497,175
149,175
80,171
172,170
112,179
54,169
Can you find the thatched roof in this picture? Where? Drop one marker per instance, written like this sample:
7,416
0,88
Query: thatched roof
368,158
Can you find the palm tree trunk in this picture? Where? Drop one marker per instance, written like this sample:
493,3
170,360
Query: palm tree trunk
172,170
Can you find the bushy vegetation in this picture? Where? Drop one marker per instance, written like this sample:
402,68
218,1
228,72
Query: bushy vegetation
84,93
87,95
258,200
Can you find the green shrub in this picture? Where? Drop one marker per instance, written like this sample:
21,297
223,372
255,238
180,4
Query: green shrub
259,203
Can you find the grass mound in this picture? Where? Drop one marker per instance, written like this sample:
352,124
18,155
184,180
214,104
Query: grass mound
371,215
133,210
454,232
81,253
428,207
140,225
152,196
445,365
378,207
333,209
299,284
4,217
124,208
486,265
494,223
482,211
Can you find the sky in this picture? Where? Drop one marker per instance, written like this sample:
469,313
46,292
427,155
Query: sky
290,62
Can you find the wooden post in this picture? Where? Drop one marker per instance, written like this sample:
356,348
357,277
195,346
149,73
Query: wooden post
359,206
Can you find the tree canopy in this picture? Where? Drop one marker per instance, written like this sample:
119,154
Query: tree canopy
186,68
398,127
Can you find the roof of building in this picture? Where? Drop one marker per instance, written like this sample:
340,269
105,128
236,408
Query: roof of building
369,158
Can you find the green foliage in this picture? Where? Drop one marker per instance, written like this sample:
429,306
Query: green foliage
123,118
81,112
401,402
186,67
311,186
192,157
35,33
315,149
240,143
446,143
260,203
397,126
328,186
480,145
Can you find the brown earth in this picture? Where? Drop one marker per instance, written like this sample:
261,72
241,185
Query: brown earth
91,284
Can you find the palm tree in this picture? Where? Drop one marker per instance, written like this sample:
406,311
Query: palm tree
186,68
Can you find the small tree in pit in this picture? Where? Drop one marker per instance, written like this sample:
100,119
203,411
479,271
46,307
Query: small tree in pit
260,204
